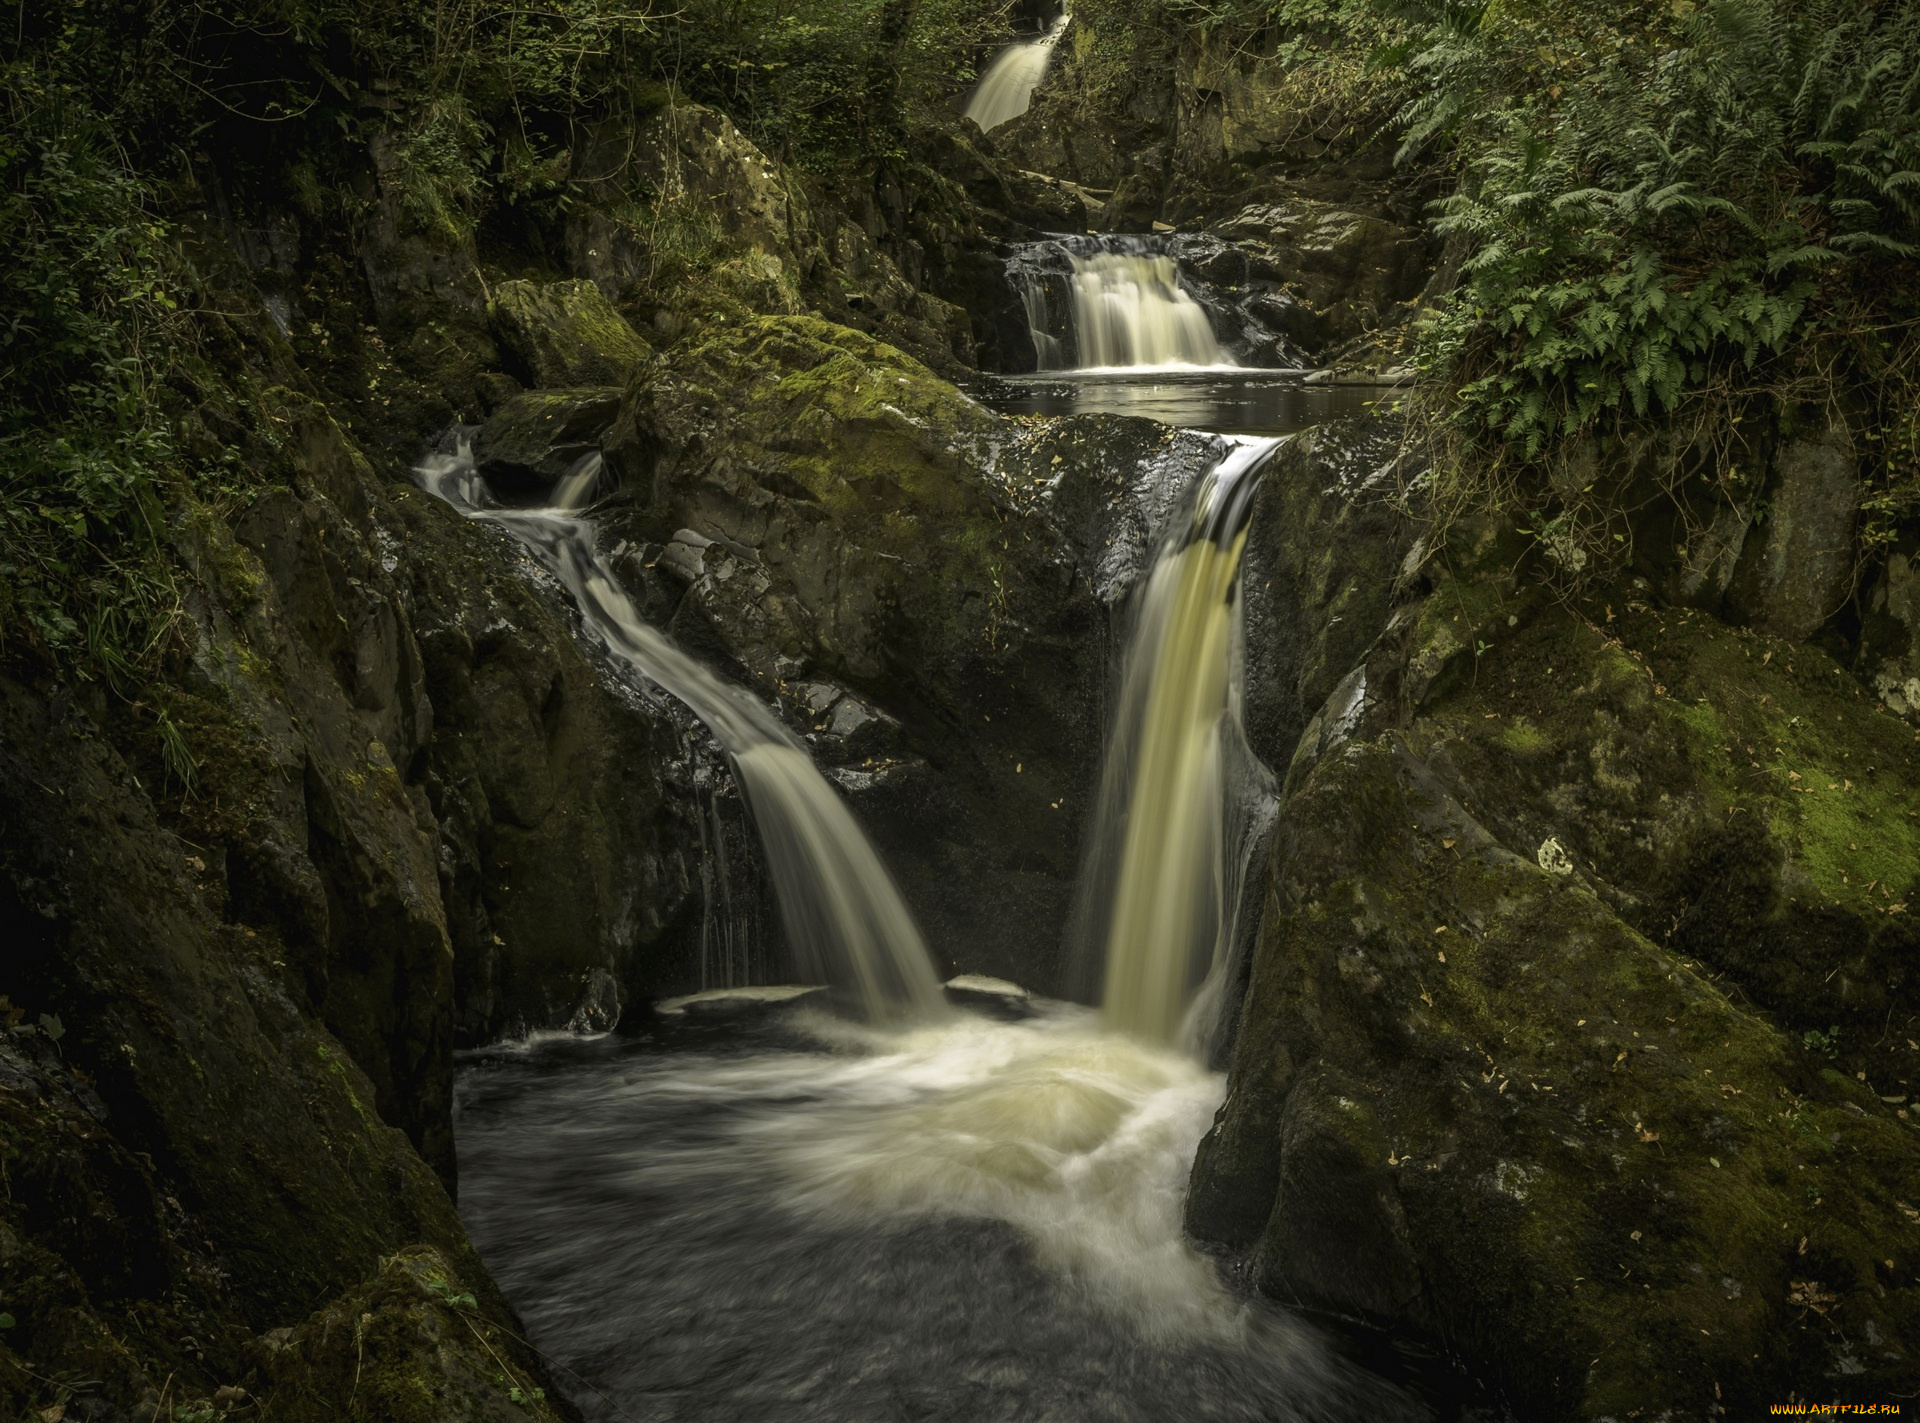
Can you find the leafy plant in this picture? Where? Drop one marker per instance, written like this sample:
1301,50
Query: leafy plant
1703,215
1827,1043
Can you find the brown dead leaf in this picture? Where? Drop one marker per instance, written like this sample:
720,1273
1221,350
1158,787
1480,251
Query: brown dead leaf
1810,1294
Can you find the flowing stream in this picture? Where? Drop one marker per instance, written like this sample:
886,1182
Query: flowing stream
1006,89
930,1214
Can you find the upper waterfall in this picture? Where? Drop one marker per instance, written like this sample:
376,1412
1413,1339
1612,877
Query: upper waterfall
1006,89
1124,307
845,916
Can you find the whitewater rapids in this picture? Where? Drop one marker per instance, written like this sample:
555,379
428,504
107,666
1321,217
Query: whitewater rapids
820,1221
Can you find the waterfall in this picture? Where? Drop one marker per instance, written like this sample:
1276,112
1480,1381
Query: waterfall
1124,306
845,916
1007,87
1182,799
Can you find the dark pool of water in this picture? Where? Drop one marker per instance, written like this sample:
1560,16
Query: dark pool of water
1249,402
811,1225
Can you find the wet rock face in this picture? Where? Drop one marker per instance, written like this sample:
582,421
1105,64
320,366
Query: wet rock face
915,580
1797,568
1566,1040
229,1142
538,435
570,837
1349,270
1324,548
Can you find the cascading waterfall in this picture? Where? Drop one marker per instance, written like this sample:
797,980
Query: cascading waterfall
842,911
785,1233
1181,797
1124,307
1007,87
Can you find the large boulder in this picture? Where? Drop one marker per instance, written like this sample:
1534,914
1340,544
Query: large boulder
564,334
1573,1037
916,580
535,437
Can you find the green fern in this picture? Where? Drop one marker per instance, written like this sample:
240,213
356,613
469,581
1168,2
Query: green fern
1653,215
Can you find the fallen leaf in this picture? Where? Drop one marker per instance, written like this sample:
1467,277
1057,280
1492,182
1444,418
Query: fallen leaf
1809,1294
1441,954
1634,1236
1440,929
1447,844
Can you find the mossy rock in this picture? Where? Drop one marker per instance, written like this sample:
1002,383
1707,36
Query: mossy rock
832,512
565,334
413,1344
1528,1062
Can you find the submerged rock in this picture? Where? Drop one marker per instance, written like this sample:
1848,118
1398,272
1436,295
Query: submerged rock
725,1004
994,996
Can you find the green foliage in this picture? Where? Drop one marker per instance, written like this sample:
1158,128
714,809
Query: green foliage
88,315
823,82
1653,206
461,105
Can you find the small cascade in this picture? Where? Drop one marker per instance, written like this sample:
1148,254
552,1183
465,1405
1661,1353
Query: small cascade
1111,303
1182,800
1006,89
843,913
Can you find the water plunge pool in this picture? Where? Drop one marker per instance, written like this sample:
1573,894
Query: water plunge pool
798,1218
1227,402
